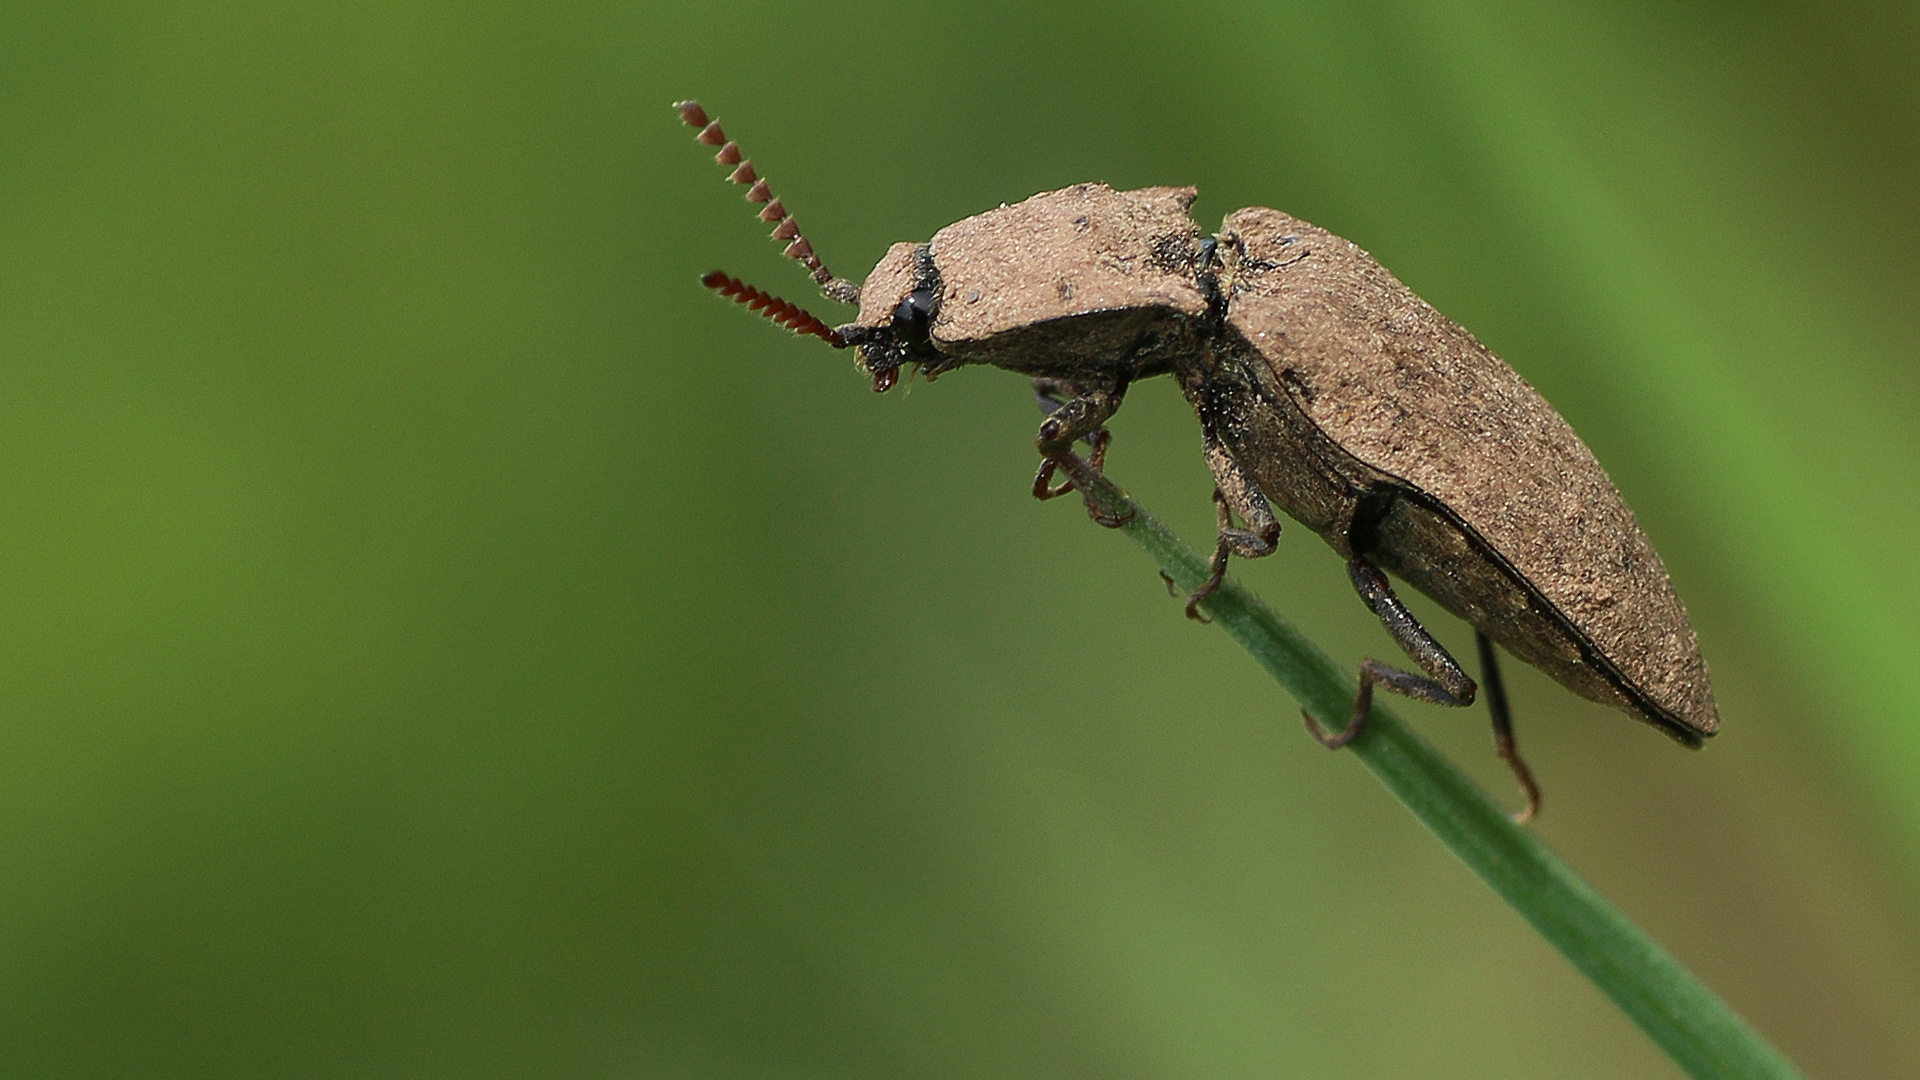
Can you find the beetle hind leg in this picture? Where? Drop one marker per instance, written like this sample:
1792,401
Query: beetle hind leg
1448,685
1446,682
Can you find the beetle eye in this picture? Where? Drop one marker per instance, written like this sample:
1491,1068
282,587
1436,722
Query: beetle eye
915,311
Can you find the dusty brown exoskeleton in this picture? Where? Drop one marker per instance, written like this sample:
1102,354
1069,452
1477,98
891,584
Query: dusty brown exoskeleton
1323,385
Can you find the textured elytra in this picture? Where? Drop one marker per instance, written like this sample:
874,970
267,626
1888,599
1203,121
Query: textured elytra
1410,395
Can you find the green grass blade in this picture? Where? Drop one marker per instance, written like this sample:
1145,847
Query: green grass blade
1687,1020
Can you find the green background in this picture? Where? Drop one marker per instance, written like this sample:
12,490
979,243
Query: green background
437,638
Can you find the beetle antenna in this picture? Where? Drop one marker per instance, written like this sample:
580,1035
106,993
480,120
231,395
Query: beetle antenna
784,228
787,314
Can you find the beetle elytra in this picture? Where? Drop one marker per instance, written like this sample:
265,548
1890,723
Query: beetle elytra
1323,386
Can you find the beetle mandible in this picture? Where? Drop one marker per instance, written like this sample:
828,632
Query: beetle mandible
1324,386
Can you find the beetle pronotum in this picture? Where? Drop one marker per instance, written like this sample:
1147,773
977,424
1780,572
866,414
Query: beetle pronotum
1323,385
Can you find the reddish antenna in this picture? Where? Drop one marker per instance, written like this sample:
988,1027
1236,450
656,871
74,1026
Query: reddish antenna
792,316
785,228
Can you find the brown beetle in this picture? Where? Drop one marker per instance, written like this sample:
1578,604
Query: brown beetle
1323,385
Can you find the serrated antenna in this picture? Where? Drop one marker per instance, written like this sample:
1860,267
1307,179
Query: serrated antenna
787,314
784,227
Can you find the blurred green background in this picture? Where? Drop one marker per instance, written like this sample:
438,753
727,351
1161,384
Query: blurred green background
441,639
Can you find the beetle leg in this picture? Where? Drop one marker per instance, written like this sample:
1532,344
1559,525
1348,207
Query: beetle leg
1050,394
1449,684
1503,727
1079,417
1232,490
1097,460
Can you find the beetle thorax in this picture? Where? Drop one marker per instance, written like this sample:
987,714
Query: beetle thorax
1083,284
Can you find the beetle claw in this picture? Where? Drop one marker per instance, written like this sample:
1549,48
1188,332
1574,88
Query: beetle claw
1216,574
1205,590
1338,739
1043,486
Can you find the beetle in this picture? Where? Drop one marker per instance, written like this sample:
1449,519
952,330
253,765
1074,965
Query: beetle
1324,386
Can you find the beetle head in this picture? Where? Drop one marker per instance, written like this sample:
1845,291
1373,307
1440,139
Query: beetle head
898,302
1085,283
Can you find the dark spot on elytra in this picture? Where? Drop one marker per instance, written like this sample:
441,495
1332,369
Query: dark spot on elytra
1171,254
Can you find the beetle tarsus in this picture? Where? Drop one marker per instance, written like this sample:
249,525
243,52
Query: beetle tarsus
1044,489
1374,673
1217,566
1051,395
1079,417
1080,476
1371,671
1233,493
1503,743
1449,684
1216,574
1511,756
1345,735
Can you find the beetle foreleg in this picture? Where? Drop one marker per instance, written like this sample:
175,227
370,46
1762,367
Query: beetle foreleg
1099,439
1078,417
1050,393
1449,684
1233,494
1503,743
